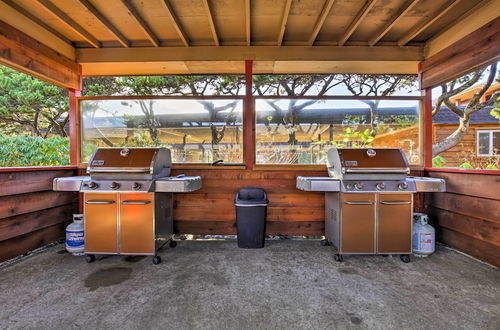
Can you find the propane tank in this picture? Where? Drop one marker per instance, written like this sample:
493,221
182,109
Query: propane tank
424,240
75,237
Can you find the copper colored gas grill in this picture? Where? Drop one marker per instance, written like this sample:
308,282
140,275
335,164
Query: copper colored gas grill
369,201
128,200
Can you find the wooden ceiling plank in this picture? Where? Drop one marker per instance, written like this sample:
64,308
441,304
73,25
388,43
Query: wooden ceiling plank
77,28
175,21
321,19
38,21
450,4
140,21
248,31
392,21
211,22
357,20
284,20
106,23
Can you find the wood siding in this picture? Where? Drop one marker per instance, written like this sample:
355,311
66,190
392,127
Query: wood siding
467,216
31,214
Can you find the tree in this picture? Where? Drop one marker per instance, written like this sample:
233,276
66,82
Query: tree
456,87
31,105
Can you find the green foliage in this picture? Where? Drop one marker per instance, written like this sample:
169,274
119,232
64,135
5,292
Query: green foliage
31,106
492,167
495,112
466,165
33,151
438,161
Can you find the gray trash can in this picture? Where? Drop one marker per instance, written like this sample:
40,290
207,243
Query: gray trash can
251,210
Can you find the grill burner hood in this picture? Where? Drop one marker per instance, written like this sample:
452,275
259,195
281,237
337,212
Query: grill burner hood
367,164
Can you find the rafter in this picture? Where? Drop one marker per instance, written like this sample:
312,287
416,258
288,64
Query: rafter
450,4
77,28
284,19
175,22
142,24
38,21
211,22
357,20
321,19
248,33
392,21
107,24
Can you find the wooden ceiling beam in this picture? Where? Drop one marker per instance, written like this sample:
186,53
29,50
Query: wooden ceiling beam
284,19
211,22
450,4
258,53
106,23
38,21
142,24
77,28
319,23
408,5
357,20
175,22
248,31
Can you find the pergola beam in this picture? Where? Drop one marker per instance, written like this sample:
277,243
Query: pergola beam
175,22
392,21
284,19
77,28
140,21
106,23
319,23
211,22
248,31
356,21
450,4
262,53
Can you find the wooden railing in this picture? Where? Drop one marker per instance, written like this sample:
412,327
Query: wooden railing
31,214
467,216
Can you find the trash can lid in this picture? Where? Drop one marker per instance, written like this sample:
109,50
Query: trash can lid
251,196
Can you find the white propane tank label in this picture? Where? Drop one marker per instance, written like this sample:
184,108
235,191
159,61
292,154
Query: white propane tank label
75,236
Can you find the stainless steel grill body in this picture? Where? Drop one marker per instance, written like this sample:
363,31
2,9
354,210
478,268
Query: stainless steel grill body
369,200
128,200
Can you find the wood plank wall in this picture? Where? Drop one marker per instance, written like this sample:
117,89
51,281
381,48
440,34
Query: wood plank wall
467,216
31,214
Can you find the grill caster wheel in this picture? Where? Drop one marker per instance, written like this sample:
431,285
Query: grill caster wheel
324,242
405,258
172,243
89,258
338,257
156,260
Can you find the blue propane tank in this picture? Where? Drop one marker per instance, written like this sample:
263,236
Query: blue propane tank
424,236
75,237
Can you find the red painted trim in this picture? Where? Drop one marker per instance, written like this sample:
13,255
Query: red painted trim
249,117
427,127
37,168
462,171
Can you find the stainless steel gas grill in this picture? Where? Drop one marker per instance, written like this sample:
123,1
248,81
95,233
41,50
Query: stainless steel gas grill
128,200
369,201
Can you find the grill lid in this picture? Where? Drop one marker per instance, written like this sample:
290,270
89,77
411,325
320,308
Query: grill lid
130,163
367,163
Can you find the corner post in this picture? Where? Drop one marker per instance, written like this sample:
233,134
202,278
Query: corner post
74,144
249,117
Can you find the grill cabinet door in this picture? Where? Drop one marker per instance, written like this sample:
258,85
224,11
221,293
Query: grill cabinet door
137,223
358,223
101,223
395,223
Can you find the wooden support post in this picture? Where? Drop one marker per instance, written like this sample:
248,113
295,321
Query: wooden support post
428,127
74,125
249,117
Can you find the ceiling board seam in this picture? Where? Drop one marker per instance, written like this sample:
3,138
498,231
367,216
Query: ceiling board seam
211,22
321,19
175,21
356,21
284,20
134,13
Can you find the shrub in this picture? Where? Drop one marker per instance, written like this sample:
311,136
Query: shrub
23,150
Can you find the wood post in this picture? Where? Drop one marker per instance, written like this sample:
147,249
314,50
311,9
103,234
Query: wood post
249,117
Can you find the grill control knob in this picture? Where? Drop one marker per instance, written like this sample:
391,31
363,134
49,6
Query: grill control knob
349,186
380,186
136,186
403,186
92,185
114,185
358,186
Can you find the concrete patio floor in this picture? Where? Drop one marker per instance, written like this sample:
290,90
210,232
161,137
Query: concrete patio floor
290,284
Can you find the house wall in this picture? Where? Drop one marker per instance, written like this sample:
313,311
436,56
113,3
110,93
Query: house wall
466,150
31,214
467,215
